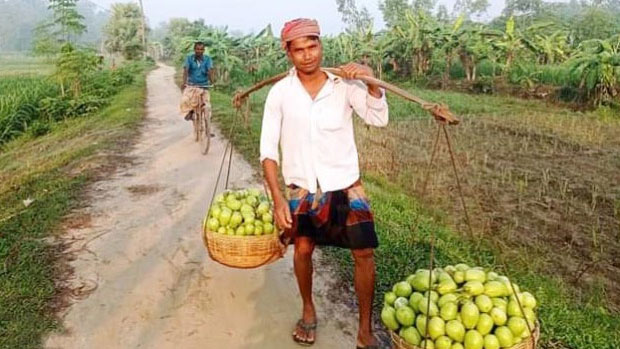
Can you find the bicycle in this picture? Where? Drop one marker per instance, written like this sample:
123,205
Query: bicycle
202,125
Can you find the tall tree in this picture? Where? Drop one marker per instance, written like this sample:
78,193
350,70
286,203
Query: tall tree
67,19
122,31
423,5
596,23
470,8
522,7
356,18
393,11
443,15
598,64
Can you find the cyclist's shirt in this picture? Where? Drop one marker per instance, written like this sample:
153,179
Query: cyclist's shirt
198,70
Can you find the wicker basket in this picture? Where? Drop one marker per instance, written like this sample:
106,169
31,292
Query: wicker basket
530,343
243,251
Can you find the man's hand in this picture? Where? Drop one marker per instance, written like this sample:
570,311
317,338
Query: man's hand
282,213
355,70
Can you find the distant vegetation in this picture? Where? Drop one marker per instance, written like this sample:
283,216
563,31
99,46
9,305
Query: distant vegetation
570,50
71,79
22,22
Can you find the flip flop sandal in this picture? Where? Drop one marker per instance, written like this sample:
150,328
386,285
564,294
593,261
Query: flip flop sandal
307,328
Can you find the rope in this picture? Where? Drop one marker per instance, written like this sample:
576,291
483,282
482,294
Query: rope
228,150
431,161
458,181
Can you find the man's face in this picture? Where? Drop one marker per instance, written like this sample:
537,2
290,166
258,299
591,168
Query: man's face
306,54
199,50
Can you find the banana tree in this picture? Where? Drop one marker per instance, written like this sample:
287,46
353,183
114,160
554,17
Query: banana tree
448,39
370,48
549,49
509,43
416,35
597,62
473,47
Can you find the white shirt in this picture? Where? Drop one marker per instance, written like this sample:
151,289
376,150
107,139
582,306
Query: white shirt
316,136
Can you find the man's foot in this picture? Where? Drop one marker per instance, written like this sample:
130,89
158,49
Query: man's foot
367,341
305,330
189,116
305,333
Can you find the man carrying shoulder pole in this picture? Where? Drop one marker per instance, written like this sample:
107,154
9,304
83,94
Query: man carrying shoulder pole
308,115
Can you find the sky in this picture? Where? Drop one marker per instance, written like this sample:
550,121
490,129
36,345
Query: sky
250,16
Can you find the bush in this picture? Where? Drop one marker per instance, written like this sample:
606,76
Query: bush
483,85
39,128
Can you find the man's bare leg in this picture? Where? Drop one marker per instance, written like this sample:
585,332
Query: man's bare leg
304,247
364,288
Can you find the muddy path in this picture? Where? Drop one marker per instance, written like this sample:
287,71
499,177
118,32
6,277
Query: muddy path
139,250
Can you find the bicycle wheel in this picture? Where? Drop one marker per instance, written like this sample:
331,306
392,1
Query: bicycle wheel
205,141
196,123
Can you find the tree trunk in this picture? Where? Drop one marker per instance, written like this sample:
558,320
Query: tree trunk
394,64
509,58
446,73
473,71
466,61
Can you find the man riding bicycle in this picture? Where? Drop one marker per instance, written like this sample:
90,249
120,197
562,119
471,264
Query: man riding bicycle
197,78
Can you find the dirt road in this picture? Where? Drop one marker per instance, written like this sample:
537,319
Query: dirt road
156,287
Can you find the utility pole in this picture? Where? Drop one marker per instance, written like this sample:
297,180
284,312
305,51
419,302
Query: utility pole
143,28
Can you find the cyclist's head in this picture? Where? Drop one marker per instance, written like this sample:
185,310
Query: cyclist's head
199,48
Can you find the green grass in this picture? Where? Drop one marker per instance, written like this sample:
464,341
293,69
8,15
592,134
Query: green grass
404,225
405,228
51,170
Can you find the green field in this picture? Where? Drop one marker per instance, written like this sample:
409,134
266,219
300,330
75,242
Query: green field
21,64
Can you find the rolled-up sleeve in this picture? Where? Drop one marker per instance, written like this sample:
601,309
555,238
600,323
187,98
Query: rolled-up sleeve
374,111
272,124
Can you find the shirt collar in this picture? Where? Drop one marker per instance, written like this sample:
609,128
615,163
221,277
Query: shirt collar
334,79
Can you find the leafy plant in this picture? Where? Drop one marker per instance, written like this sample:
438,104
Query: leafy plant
598,65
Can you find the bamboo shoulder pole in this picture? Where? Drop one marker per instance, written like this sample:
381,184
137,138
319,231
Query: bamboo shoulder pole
439,111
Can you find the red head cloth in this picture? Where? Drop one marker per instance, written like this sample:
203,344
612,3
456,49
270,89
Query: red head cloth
298,28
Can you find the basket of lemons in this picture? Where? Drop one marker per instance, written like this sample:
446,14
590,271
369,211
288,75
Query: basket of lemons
239,229
466,308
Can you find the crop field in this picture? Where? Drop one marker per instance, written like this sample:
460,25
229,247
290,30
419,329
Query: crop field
20,64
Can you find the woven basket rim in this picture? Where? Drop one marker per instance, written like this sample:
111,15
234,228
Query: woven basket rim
269,258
